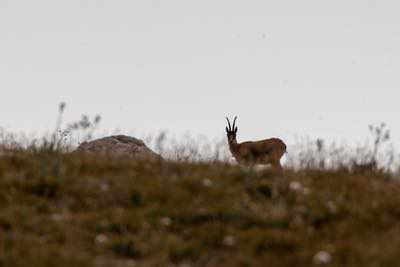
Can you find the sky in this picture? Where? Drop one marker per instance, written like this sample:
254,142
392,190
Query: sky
288,69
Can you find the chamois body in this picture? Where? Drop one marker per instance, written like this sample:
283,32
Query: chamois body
268,151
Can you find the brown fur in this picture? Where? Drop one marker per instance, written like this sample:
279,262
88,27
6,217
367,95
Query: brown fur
268,151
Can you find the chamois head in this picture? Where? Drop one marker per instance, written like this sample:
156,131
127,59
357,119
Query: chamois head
231,131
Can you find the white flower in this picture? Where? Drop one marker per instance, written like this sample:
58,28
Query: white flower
57,217
295,186
130,263
306,191
104,186
229,241
207,182
166,221
332,206
101,238
322,257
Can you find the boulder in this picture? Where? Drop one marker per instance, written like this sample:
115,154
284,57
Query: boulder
119,146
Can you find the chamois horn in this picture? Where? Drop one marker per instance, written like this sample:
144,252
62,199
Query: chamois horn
229,124
234,128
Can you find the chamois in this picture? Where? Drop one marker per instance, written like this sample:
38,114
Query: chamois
268,151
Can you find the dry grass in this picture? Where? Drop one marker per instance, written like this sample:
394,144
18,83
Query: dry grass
333,207
58,209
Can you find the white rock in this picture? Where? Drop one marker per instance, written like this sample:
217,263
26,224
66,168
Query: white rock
119,146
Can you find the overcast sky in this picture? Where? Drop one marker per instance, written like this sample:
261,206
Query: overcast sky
287,68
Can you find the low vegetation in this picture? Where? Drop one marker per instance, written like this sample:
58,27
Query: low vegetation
60,209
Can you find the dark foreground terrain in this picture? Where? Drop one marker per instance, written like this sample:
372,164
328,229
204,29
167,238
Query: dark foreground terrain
71,210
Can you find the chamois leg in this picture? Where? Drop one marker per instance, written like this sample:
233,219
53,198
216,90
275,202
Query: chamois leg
278,172
277,167
248,175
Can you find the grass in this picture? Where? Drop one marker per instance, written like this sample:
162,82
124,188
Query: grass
60,209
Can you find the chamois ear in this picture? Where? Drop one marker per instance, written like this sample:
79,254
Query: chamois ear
236,129
226,129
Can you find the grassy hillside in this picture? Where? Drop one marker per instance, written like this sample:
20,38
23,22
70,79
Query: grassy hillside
69,210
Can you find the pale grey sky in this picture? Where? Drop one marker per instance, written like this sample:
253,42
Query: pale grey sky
307,68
